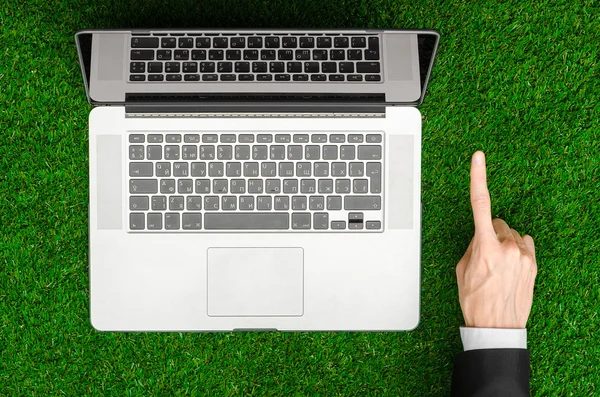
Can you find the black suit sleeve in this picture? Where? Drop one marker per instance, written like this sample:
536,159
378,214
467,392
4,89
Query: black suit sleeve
491,372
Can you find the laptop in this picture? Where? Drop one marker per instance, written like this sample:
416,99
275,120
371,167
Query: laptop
244,180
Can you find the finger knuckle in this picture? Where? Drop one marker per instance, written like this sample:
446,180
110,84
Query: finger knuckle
480,201
511,247
533,265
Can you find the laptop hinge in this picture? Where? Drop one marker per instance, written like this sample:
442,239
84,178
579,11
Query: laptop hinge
256,105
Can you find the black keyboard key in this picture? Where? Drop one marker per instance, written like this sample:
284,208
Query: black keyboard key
264,77
285,55
224,67
238,42
346,67
164,55
358,42
340,42
267,55
337,55
182,55
233,55
372,77
300,77
372,55
138,67
242,67
215,55
320,55
276,67
190,67
168,42
271,42
198,55
259,67
144,42
318,77
294,67
374,43
311,67
336,77
355,55
191,77
302,55
142,55
207,67
186,42
202,42
154,67
155,77
255,42
282,77
228,77
289,42
172,67
323,42
250,55
354,77
137,77
328,67
367,67
307,42
210,77
246,77
173,77
220,42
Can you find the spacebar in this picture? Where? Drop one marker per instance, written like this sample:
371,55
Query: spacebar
238,220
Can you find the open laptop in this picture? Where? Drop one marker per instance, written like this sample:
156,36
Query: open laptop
255,179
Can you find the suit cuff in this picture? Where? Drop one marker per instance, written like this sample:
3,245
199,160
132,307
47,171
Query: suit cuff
493,338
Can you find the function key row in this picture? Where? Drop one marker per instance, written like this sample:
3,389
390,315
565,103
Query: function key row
371,42
260,138
261,77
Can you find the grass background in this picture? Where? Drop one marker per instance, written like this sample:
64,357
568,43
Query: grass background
518,80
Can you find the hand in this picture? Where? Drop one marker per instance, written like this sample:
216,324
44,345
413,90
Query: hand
496,274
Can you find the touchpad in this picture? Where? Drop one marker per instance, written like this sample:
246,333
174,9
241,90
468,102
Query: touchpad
255,281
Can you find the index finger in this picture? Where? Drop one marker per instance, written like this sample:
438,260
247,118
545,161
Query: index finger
480,196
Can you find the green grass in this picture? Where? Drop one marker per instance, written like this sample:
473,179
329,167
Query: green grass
518,81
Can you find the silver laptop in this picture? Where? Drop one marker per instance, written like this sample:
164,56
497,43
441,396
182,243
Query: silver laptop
255,179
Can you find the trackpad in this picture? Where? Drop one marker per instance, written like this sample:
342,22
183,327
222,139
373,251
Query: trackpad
255,281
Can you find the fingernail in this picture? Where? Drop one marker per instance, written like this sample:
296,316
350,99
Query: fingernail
478,158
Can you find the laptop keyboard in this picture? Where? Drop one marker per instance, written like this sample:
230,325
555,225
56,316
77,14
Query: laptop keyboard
274,58
255,181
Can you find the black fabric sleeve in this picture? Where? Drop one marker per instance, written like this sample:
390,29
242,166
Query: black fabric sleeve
491,372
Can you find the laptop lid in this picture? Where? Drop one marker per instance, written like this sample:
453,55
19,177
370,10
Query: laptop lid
406,57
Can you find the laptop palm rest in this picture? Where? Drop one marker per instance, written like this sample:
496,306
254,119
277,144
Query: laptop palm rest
255,281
